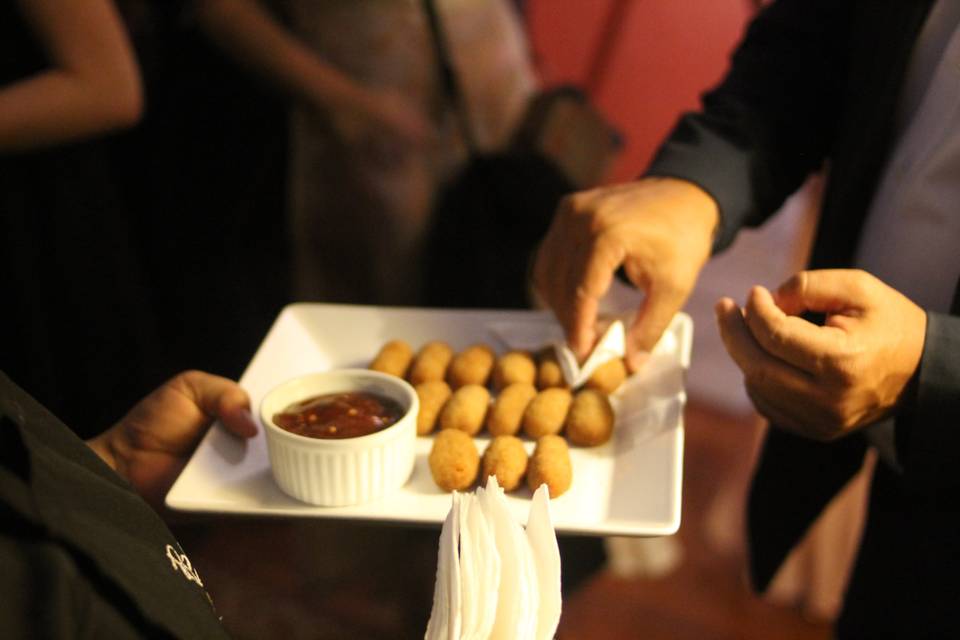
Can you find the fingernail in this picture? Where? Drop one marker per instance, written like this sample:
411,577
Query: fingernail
247,417
758,291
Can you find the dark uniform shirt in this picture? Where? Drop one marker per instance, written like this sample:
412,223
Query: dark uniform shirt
81,554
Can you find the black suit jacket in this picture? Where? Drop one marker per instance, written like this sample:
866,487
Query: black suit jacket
815,84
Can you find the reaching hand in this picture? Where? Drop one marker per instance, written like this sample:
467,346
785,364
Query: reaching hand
825,381
659,229
151,444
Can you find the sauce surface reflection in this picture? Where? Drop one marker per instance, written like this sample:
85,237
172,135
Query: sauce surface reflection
339,415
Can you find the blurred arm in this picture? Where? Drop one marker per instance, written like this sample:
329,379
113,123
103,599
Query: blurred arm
257,41
254,38
92,86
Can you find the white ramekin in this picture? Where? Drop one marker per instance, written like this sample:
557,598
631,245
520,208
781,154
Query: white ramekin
343,472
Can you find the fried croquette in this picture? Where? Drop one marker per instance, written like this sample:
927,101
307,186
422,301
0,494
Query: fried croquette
471,366
549,373
506,459
608,377
466,409
394,358
550,464
431,362
433,395
454,460
547,412
506,414
514,366
590,421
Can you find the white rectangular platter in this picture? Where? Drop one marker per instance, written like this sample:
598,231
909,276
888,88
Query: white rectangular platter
630,486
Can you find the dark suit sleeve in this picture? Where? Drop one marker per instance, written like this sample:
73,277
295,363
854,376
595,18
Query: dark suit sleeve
929,431
770,122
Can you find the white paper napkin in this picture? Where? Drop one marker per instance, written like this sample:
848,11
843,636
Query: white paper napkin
496,580
533,335
648,401
612,345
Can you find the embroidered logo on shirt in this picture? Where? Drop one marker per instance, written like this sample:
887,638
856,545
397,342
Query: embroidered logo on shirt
180,561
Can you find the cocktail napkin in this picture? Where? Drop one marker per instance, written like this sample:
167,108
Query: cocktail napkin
531,335
495,579
648,401
613,344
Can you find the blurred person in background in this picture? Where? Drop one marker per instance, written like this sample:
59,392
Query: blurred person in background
372,136
76,326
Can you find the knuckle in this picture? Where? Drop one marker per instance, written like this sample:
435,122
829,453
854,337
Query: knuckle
671,283
579,202
189,378
581,294
797,282
860,282
863,285
841,370
863,278
773,337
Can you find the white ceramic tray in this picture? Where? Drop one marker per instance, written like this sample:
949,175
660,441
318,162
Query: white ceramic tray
629,486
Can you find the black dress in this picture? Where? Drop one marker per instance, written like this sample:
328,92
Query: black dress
75,327
205,174
127,258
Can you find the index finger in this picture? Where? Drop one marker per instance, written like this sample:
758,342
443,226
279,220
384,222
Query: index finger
822,290
790,338
762,370
652,319
592,283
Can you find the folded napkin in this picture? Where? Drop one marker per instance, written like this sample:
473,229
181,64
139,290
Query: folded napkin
533,335
612,345
649,401
495,579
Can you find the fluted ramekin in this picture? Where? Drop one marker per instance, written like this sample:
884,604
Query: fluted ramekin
349,471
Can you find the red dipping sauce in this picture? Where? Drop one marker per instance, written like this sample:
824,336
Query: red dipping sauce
339,415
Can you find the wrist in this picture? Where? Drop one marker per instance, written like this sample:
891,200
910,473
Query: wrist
100,445
108,447
699,207
702,207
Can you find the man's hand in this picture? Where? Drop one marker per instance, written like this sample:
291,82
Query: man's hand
151,444
824,381
659,229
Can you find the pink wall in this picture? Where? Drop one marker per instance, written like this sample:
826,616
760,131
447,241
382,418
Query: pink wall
666,54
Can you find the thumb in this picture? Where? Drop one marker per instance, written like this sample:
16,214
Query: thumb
219,398
652,319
